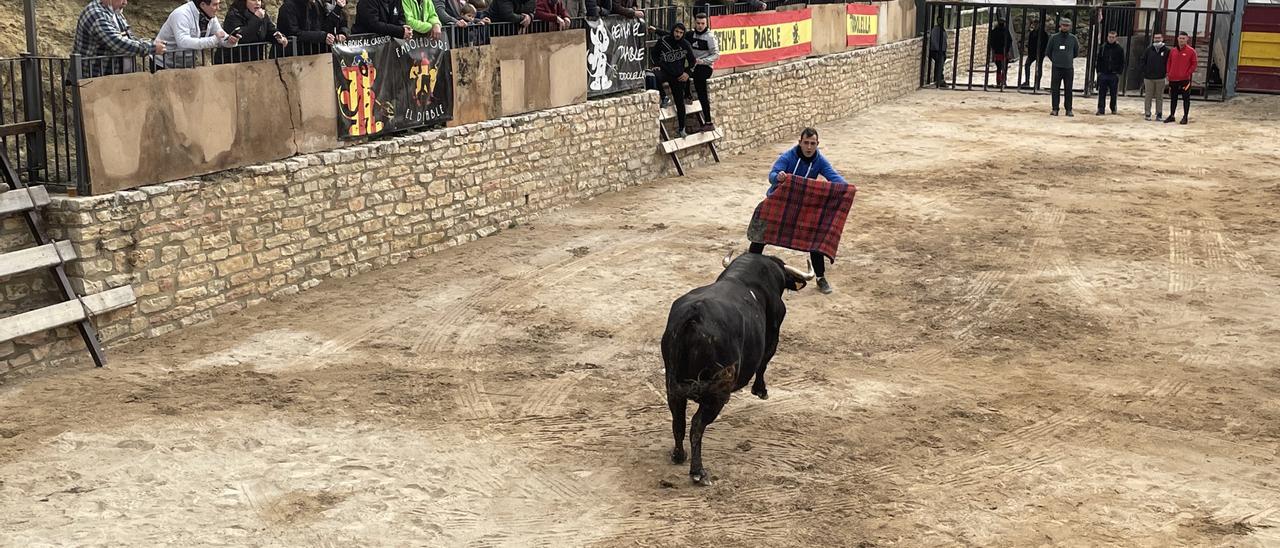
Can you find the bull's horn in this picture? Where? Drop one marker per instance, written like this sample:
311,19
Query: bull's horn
806,275
725,262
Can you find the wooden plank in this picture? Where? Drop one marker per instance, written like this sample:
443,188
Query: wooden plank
669,113
17,200
21,128
65,313
693,140
35,258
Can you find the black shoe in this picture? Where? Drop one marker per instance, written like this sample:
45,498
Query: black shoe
1168,120
1069,113
1113,112
824,286
708,126
1054,113
665,102
1100,113
1184,121
680,134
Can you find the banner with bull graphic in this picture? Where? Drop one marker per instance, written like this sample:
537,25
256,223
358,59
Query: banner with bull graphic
386,85
752,39
615,55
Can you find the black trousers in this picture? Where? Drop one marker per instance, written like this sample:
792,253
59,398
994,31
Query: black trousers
1061,83
1108,85
1182,88
939,61
701,74
678,90
1032,60
815,257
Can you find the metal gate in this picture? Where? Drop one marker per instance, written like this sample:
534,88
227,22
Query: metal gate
969,65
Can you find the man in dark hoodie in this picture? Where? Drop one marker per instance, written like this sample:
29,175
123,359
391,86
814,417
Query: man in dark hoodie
383,17
1110,66
1000,42
1063,49
675,60
1154,63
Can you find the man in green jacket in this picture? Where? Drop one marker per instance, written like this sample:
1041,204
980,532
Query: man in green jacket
421,16
1062,51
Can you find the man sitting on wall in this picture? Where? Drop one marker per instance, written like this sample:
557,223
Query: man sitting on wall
101,31
191,27
385,17
318,24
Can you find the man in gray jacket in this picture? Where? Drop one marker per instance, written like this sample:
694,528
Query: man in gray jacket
191,27
1062,51
706,51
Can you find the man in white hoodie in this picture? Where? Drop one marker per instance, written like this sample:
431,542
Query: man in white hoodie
191,27
707,51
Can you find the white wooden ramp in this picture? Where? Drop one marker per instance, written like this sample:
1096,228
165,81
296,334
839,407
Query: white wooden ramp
671,146
51,256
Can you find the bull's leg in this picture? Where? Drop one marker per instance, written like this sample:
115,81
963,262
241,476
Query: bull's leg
708,410
678,405
757,388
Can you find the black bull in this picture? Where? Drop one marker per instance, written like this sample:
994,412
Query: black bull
718,338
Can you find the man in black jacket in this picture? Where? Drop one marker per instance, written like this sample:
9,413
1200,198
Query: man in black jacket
1110,66
318,24
1000,42
675,60
519,12
383,17
1037,42
1155,67
938,52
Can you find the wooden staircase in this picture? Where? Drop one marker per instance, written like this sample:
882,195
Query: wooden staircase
671,146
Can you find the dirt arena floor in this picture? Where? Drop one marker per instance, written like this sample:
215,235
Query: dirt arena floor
1046,332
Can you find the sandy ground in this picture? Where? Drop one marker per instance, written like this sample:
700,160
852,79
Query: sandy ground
1045,332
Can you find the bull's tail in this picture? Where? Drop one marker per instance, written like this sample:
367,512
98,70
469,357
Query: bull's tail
695,366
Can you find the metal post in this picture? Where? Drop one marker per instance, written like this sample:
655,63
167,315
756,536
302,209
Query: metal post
29,13
33,104
83,187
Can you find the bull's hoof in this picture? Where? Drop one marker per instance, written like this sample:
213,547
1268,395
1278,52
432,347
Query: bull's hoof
701,477
760,392
677,455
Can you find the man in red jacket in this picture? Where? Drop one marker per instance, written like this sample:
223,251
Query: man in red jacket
1181,66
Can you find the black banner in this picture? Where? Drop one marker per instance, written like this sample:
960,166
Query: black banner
385,85
615,55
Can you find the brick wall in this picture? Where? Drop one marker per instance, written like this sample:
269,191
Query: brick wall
197,250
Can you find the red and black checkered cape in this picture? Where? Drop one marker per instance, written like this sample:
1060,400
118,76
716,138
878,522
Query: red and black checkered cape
804,215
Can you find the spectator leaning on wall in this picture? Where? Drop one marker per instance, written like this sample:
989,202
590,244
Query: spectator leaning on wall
383,17
452,12
101,31
519,12
314,22
626,8
553,13
421,17
192,27
255,27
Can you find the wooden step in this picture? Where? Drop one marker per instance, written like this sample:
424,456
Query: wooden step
18,200
35,258
65,313
669,113
693,140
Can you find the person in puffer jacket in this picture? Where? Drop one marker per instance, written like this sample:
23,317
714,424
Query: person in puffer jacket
1181,67
675,61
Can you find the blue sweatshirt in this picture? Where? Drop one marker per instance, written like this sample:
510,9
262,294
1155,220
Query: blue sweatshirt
794,163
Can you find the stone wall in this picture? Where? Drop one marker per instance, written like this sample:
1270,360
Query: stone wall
201,249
